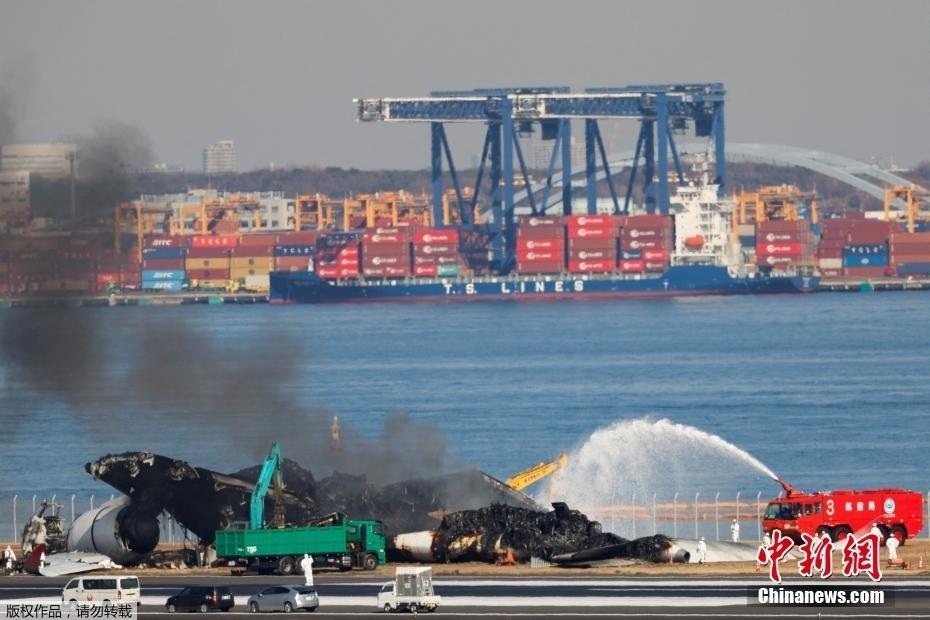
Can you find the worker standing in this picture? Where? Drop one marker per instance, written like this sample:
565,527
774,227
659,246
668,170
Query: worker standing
702,551
734,530
8,558
892,544
877,531
306,565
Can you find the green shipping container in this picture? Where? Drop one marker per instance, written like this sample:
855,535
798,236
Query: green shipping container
448,270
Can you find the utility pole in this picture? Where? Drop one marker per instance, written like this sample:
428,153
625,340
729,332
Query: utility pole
72,155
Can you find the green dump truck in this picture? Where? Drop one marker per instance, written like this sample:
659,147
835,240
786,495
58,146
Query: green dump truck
344,545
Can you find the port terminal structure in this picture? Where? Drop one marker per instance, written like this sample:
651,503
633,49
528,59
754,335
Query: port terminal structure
662,110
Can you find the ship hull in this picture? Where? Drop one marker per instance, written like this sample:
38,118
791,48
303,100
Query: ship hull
305,287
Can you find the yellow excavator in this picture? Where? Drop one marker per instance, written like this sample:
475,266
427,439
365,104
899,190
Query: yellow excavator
536,473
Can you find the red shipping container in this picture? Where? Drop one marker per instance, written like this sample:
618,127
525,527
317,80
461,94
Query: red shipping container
382,234
387,272
214,241
537,221
103,278
645,244
436,260
392,260
435,250
304,237
904,237
898,259
540,244
831,273
908,248
251,251
596,221
655,255
779,249
131,277
258,240
541,232
340,262
540,267
603,254
632,266
337,273
655,265
386,248
546,256
592,244
649,220
208,274
783,226
830,253
784,236
590,266
208,253
591,232
425,271
775,261
428,236
164,263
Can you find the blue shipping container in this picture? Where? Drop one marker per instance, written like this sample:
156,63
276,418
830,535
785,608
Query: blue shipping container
872,248
747,241
162,274
914,269
335,240
294,250
172,286
154,253
631,254
852,259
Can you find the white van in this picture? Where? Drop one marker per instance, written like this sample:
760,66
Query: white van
103,588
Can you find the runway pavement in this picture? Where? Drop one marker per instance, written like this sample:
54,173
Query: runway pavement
559,597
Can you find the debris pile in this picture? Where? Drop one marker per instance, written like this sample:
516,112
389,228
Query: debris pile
563,536
204,501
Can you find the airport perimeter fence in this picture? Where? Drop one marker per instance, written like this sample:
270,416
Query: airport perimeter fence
17,509
684,515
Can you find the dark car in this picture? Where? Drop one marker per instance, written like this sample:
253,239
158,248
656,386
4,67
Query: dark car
284,598
202,599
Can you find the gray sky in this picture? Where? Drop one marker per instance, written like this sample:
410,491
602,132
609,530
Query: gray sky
849,77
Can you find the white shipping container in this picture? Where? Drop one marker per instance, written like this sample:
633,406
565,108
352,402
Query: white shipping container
831,263
258,282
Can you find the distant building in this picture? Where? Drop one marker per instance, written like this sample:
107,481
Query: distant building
542,155
219,157
14,194
47,160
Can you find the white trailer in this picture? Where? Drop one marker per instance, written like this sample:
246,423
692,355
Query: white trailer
411,590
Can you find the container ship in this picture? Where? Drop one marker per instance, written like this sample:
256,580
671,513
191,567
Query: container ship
690,251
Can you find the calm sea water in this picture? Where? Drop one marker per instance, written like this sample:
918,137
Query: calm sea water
828,390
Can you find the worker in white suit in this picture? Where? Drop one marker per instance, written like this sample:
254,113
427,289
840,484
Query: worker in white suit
306,565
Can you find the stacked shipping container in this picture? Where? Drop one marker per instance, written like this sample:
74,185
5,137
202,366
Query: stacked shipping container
337,255
436,253
909,253
386,252
540,244
646,243
592,243
781,244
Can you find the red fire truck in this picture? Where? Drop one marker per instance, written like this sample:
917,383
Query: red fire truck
896,512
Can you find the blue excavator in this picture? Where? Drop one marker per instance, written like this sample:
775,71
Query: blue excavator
270,474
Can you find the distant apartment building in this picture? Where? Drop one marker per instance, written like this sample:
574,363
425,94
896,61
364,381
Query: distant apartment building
219,157
47,160
542,155
14,194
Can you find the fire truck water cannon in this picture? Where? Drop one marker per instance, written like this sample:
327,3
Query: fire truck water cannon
841,513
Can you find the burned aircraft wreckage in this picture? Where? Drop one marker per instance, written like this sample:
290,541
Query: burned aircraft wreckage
465,516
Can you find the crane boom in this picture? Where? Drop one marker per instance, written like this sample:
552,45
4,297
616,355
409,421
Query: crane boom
536,473
270,472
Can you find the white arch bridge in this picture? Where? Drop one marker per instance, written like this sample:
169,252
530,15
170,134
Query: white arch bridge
865,177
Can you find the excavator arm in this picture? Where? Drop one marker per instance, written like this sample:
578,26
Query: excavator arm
271,471
536,473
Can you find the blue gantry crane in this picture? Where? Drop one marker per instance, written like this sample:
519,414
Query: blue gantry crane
270,473
663,110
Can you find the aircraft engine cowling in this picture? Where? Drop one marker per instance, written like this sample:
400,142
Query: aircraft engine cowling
114,529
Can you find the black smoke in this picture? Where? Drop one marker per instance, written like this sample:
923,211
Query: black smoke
163,375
